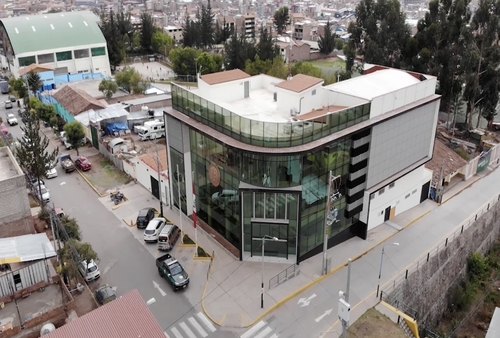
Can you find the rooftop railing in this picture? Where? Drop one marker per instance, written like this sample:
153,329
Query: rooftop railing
265,134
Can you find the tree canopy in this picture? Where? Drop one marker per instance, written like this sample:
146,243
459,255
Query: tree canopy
281,19
75,134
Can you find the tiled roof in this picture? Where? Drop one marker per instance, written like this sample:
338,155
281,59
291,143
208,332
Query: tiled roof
35,68
76,101
150,160
227,76
446,158
126,317
299,83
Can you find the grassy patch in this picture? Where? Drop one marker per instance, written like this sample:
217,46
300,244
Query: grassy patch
187,240
337,63
373,324
33,202
202,253
104,175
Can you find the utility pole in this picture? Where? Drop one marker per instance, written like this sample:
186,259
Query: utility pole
330,216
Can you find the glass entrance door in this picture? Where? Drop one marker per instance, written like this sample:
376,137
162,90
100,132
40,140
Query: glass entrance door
271,248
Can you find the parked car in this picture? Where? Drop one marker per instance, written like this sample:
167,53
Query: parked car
144,217
154,228
12,98
83,163
8,105
11,120
105,294
225,197
89,270
51,173
32,180
42,193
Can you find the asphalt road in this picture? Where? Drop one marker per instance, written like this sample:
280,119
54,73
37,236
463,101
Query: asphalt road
125,262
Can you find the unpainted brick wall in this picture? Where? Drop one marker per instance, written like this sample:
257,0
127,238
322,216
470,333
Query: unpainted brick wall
19,227
428,289
14,203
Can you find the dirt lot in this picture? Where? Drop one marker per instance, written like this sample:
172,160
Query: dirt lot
104,176
373,324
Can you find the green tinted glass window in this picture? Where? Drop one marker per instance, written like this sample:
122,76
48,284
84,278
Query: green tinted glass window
98,51
64,56
26,61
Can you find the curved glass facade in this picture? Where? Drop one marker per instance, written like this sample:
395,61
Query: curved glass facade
288,197
265,134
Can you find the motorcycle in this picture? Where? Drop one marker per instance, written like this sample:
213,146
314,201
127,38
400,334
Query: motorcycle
117,197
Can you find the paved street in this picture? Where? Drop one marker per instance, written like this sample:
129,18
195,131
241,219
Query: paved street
126,262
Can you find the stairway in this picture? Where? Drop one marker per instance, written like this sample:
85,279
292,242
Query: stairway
405,328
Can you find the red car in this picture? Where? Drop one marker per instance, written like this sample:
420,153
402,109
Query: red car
83,164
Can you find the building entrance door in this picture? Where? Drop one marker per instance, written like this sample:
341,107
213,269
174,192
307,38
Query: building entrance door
387,214
271,248
155,187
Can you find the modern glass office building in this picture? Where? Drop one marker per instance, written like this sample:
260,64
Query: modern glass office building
258,152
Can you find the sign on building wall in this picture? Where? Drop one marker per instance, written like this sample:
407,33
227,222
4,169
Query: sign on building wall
484,161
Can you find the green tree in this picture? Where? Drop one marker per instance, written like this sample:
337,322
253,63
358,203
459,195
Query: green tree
46,112
19,86
326,42
108,88
131,80
72,253
258,66
183,60
71,227
238,50
339,44
146,32
188,32
114,40
281,19
161,42
380,32
221,34
206,31
266,48
32,153
206,64
278,68
305,68
75,133
125,26
34,82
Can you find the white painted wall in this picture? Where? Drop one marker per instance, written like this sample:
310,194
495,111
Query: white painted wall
75,65
129,168
404,195
340,99
386,103
223,92
291,100
143,175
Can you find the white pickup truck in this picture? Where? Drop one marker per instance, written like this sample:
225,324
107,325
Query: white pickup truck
11,120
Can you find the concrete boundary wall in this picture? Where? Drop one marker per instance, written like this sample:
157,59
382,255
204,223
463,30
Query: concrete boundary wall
424,289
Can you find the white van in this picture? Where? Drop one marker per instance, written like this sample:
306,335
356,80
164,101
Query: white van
152,130
89,270
168,237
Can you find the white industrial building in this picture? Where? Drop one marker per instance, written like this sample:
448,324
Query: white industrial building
70,42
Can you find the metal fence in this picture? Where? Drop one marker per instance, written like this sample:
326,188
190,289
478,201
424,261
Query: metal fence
437,248
283,276
24,277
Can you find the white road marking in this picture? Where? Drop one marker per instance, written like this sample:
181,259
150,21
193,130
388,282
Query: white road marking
206,321
110,265
197,327
176,333
157,286
264,333
254,329
62,183
187,330
165,333
274,336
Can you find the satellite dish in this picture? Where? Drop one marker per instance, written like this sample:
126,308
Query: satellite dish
47,328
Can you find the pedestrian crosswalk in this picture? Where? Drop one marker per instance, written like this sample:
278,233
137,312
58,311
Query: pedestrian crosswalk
198,326
260,330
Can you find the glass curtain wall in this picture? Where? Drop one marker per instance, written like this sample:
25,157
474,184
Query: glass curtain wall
315,170
178,178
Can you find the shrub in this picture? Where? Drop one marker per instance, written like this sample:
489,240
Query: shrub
462,153
202,253
43,215
187,240
477,268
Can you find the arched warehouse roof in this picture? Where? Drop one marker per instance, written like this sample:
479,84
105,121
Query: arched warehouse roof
33,33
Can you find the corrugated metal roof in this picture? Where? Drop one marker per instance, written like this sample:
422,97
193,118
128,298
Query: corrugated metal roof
25,248
32,33
126,317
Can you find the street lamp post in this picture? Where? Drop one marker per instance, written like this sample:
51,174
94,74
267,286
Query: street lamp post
381,262
264,239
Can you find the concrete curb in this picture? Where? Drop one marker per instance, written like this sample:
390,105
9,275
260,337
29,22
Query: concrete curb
90,184
311,283
203,298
